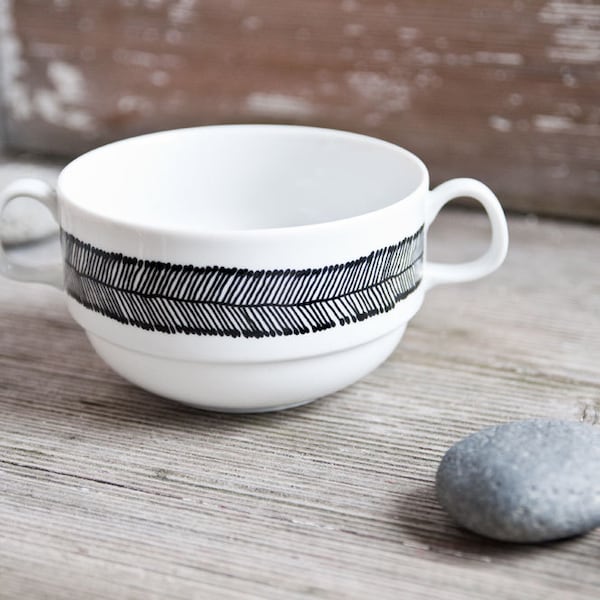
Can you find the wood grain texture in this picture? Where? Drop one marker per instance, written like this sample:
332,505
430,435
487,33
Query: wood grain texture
503,91
109,492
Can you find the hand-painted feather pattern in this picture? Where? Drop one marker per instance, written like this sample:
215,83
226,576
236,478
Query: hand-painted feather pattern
234,302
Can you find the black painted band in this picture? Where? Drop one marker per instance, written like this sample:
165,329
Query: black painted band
234,302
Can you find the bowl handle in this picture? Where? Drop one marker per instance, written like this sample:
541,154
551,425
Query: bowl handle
51,274
439,273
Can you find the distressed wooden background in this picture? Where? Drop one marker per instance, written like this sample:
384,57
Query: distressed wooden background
507,91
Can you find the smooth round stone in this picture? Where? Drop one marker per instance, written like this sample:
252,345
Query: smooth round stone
527,481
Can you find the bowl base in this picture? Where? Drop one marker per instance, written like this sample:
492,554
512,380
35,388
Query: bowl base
247,387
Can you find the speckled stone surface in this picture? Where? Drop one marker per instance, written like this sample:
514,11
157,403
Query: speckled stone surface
528,481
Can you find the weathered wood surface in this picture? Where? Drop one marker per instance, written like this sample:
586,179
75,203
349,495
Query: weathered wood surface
109,492
504,91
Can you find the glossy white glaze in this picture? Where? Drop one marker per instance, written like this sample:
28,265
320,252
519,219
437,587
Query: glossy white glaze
257,199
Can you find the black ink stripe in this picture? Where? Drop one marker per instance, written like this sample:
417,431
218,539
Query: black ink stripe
226,301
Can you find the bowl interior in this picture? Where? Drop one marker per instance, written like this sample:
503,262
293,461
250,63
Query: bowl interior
240,177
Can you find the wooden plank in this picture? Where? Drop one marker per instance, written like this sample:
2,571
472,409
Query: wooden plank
504,92
109,492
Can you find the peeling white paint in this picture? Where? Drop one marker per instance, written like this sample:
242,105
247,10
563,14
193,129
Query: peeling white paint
374,119
574,55
564,12
515,99
14,91
62,104
278,105
135,104
422,56
571,109
569,80
407,34
580,35
499,58
500,124
460,60
67,81
552,123
182,12
160,78
148,60
47,50
349,6
562,124
354,29
50,108
429,57
252,23
576,38
427,78
386,93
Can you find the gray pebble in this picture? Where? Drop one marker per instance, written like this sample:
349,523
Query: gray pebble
528,481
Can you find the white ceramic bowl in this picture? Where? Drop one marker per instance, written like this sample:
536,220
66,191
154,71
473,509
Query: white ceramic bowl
252,267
